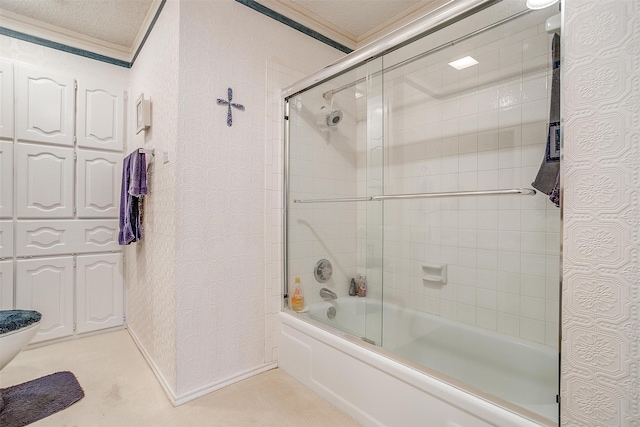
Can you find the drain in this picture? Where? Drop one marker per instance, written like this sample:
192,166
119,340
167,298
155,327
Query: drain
331,312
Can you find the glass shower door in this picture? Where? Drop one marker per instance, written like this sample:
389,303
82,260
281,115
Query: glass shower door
334,167
469,281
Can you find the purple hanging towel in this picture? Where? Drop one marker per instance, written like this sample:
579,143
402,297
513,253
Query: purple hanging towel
134,187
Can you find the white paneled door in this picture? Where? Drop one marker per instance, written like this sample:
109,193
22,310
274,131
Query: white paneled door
99,292
44,107
45,181
6,100
100,111
46,285
6,239
6,285
60,170
6,179
98,184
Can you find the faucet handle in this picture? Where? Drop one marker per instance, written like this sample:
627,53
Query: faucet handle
323,270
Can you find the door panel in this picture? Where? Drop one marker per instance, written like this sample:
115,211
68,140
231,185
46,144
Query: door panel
100,113
6,285
6,100
6,179
99,302
44,107
6,239
45,181
46,285
37,238
98,184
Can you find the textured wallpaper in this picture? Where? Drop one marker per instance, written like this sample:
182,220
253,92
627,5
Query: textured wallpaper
601,296
220,252
150,267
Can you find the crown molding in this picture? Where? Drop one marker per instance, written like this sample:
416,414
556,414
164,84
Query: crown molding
302,16
32,27
400,20
145,27
299,15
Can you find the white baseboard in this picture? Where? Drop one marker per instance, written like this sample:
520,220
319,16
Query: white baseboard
74,337
168,390
189,396
201,391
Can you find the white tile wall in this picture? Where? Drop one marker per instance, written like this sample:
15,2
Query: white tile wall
501,252
323,164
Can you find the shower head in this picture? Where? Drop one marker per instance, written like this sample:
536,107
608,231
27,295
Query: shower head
334,118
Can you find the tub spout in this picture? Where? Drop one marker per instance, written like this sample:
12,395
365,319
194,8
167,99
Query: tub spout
327,294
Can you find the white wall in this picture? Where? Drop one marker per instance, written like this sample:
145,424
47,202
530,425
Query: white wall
151,308
220,261
600,325
197,302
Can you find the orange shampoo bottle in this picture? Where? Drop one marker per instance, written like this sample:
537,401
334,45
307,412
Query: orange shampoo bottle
297,297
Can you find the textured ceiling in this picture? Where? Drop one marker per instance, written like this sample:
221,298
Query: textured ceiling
356,17
113,21
120,22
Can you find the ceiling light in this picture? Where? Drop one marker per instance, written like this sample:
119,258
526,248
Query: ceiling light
359,94
463,63
540,4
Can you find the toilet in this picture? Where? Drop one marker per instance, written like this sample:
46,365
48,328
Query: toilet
17,329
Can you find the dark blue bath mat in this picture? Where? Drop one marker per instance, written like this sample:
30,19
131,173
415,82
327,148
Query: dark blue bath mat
29,402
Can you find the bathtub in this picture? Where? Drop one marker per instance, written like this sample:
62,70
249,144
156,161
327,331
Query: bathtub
429,371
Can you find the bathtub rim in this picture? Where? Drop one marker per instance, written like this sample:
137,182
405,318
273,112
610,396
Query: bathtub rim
392,358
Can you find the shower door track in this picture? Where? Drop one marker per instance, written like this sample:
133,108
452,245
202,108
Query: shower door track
507,192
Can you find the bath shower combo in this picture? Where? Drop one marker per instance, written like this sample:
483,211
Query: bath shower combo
403,166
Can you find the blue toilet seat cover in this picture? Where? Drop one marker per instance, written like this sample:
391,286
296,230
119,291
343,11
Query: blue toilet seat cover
12,320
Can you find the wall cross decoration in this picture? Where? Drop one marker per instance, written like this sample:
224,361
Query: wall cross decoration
230,104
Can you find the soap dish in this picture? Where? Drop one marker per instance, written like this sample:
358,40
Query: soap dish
434,273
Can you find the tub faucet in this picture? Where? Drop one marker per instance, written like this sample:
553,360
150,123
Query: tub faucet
327,294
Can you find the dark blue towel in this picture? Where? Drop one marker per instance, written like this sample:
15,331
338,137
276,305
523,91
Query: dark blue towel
134,187
548,175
